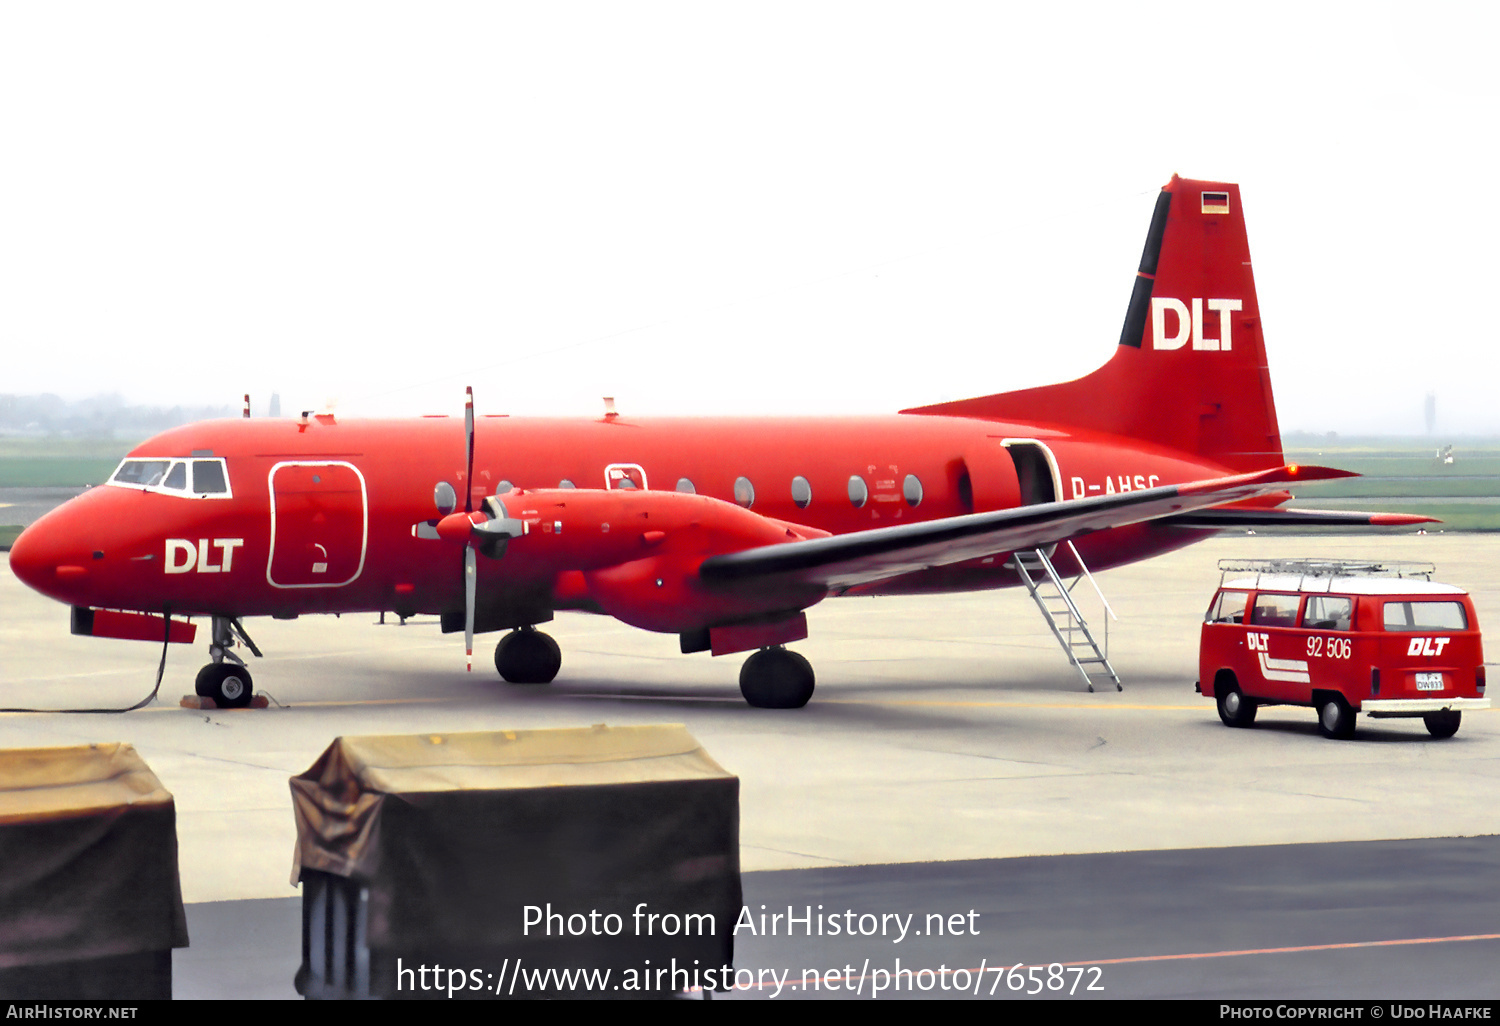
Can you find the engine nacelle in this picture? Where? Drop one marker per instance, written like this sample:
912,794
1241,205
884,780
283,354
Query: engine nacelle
639,552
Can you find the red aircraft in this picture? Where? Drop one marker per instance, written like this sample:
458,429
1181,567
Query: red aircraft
723,531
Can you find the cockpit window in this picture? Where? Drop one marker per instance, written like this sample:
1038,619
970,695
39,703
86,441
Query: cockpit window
209,477
142,473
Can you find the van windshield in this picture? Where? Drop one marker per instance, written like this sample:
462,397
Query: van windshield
1425,616
1228,608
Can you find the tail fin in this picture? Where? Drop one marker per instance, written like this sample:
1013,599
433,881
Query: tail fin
1190,371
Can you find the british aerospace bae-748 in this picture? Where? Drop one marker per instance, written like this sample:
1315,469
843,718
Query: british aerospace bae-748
723,531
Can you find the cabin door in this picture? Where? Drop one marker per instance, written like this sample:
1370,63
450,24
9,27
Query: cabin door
319,525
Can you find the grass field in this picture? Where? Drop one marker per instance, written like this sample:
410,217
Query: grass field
58,462
1404,475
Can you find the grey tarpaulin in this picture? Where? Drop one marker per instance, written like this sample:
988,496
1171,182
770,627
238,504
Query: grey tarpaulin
88,842
454,835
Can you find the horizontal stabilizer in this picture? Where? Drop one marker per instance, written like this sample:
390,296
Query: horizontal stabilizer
1228,518
844,561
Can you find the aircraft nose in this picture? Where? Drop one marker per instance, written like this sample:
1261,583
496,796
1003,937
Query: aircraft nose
48,559
28,560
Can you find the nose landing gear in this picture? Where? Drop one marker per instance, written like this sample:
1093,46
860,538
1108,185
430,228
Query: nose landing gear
226,680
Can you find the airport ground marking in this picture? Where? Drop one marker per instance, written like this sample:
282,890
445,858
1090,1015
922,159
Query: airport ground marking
1341,946
1188,956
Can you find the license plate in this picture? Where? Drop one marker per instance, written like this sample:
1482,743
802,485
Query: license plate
1429,682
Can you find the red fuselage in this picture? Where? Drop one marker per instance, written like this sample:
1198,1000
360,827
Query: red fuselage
319,515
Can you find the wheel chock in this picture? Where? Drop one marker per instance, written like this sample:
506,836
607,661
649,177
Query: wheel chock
204,702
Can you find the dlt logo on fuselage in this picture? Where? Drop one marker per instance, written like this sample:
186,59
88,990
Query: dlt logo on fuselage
1190,322
184,555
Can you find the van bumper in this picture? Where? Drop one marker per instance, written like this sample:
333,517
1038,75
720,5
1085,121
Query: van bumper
1383,707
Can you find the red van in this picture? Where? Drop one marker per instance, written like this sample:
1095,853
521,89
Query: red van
1344,637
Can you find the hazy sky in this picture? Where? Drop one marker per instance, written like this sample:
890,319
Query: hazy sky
747,207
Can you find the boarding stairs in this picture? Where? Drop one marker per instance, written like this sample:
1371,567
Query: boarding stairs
1054,597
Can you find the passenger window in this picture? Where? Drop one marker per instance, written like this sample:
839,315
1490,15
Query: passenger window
1275,610
801,492
744,492
1328,613
686,487
208,477
859,492
176,478
1229,607
911,490
1425,616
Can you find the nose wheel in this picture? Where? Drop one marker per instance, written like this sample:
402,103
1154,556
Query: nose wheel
228,684
226,680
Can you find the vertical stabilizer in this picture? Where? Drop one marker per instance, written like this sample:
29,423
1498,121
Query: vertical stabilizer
1190,370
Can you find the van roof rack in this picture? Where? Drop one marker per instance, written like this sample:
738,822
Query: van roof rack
1318,567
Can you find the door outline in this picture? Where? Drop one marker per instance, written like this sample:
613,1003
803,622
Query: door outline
364,512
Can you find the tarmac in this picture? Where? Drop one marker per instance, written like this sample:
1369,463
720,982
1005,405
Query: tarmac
943,728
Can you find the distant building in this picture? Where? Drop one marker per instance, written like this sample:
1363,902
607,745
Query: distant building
276,408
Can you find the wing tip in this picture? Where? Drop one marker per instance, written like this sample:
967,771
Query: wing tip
1400,519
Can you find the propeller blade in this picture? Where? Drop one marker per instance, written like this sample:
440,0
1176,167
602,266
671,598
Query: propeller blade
469,435
471,569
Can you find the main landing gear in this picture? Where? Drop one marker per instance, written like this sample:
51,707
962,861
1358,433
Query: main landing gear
527,656
226,680
775,678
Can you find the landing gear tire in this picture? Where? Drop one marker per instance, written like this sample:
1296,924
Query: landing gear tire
528,656
1335,718
1443,723
228,684
1234,708
775,678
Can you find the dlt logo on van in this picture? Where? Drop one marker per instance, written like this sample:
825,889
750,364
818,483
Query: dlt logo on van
1427,646
1191,322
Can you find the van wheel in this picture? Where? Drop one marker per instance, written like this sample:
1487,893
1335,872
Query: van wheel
1335,718
1234,708
1443,723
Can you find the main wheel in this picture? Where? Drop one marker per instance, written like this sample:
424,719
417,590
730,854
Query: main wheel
1443,723
1335,718
775,678
528,656
1234,708
228,684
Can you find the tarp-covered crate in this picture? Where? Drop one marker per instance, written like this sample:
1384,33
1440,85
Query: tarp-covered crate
90,899
552,847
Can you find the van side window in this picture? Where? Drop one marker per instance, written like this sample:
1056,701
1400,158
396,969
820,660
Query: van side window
1328,613
1425,616
1229,608
1275,610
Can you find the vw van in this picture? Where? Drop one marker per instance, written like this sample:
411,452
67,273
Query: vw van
1344,637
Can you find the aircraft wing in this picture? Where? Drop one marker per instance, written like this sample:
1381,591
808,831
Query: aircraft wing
1227,518
846,560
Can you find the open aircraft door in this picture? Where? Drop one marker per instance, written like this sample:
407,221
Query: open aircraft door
319,524
1016,472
